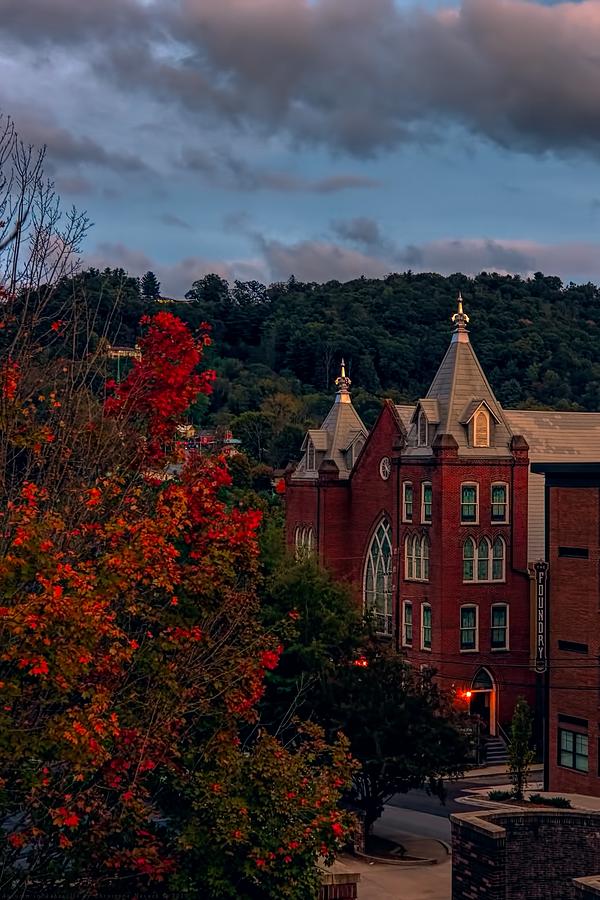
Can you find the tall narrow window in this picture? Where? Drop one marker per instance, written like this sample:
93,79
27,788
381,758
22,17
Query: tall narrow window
409,562
422,423
469,503
417,554
498,553
310,457
407,624
425,555
426,501
425,626
499,503
304,540
468,628
407,501
378,578
481,429
499,635
483,560
469,560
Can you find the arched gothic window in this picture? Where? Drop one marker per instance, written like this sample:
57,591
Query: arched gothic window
378,578
416,558
484,561
310,457
304,541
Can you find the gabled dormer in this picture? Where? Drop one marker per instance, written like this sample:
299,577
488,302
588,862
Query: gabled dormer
424,422
480,422
339,439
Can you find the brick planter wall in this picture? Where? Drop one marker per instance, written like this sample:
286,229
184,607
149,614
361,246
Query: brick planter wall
524,855
339,886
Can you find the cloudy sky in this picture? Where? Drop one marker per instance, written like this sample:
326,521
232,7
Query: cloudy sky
324,138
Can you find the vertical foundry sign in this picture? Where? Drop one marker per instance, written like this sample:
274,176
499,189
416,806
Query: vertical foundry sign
541,610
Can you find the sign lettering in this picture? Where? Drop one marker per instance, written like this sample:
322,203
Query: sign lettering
541,574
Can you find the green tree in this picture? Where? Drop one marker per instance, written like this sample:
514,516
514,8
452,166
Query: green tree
150,286
403,729
321,627
520,754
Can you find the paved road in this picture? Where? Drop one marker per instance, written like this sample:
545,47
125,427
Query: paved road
420,801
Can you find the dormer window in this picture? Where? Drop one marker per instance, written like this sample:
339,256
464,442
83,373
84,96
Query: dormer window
481,429
422,430
311,463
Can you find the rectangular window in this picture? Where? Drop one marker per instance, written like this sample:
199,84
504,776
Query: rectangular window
407,624
407,501
573,750
468,503
574,552
573,647
468,628
425,626
499,503
426,501
499,636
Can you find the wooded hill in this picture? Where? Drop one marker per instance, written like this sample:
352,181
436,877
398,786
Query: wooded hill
277,349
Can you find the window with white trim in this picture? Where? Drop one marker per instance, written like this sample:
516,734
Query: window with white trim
416,558
407,623
378,578
469,503
425,626
407,501
499,504
499,627
311,457
422,430
468,627
484,561
573,750
481,429
426,501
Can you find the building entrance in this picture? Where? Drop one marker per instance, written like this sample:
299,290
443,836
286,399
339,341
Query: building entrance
483,701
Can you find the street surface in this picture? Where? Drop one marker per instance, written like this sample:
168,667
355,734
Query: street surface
415,816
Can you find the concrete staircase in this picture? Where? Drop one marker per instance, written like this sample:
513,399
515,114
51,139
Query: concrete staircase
496,753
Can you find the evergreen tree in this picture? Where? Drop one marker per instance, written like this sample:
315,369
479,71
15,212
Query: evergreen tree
520,756
150,286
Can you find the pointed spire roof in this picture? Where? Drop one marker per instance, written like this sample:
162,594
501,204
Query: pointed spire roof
458,390
341,428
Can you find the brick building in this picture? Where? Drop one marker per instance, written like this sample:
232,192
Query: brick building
434,518
573,627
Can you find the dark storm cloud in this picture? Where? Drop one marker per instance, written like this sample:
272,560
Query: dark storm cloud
367,76
350,74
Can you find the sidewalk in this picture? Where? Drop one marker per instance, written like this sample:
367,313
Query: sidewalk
495,770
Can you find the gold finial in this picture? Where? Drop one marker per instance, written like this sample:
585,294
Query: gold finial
460,320
343,383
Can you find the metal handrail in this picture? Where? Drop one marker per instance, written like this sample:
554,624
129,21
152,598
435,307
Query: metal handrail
503,735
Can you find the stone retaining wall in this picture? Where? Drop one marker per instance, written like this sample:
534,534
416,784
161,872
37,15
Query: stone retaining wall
524,855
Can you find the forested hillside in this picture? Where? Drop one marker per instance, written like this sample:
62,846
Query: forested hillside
277,349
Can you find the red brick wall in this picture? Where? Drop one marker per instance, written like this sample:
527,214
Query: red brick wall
574,615
348,511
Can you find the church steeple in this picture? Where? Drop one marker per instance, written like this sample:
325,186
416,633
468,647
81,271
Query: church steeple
461,320
338,441
343,383
460,402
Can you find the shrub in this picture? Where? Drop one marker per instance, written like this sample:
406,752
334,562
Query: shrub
500,795
558,802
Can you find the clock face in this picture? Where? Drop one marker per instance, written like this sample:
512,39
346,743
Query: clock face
385,468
